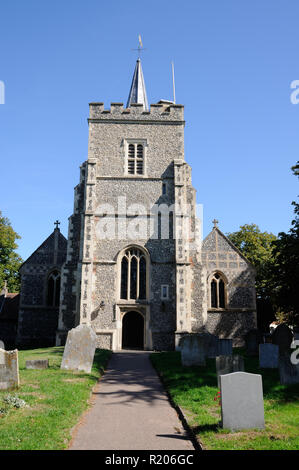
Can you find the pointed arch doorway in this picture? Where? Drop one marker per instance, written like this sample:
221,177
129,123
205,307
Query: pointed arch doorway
133,330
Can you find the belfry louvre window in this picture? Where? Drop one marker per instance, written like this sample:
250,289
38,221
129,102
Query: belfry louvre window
133,275
135,159
53,289
217,287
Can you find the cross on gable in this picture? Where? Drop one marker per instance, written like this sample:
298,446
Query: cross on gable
215,222
57,223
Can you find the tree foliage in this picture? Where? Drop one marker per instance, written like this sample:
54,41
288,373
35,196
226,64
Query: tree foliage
286,272
10,261
257,247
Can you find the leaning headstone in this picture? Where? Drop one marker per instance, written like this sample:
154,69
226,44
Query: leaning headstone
9,369
283,337
252,339
213,346
79,349
242,404
37,364
194,349
288,372
225,347
228,364
268,356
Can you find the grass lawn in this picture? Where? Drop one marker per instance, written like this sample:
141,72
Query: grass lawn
56,399
193,389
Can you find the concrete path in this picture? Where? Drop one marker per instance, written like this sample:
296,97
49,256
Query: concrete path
130,410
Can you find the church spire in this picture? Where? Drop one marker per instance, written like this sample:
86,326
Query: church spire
138,92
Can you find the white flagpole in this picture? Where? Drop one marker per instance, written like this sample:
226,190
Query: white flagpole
173,82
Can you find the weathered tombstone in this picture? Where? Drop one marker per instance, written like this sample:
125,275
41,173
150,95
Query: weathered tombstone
79,349
2,345
252,339
268,356
288,372
228,364
194,349
283,337
242,404
9,369
213,346
37,364
225,347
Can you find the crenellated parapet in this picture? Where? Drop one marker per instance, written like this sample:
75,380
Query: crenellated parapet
165,112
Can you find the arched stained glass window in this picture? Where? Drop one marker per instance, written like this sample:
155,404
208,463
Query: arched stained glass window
133,275
53,289
217,291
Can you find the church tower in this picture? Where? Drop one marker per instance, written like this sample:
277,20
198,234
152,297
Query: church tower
135,269
132,257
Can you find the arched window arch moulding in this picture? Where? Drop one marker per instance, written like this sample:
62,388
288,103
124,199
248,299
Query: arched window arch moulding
53,288
134,274
217,286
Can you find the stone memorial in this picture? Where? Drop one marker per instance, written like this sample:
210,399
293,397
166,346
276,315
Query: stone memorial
79,349
213,346
228,364
283,337
253,339
268,356
288,372
9,370
225,347
194,349
242,403
37,364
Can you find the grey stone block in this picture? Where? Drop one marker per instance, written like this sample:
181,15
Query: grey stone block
227,365
194,349
79,349
225,347
9,370
37,364
288,372
268,356
242,404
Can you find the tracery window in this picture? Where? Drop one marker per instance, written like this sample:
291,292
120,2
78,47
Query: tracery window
133,275
217,291
135,159
53,289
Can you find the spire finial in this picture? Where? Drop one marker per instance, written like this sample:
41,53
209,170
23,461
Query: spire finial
137,93
140,47
215,222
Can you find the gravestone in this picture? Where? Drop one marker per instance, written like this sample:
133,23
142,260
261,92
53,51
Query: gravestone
268,356
242,404
228,364
225,347
2,345
213,346
79,349
9,369
283,337
253,339
194,349
37,364
288,372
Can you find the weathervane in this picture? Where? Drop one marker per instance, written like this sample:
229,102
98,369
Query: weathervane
140,47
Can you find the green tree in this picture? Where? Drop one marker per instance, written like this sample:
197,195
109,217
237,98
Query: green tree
286,271
257,247
10,261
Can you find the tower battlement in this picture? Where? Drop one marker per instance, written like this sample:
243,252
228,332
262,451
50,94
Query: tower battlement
159,111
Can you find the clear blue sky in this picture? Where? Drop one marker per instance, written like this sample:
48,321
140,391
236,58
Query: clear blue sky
234,63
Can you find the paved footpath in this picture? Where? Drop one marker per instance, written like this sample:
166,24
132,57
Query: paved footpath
130,410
